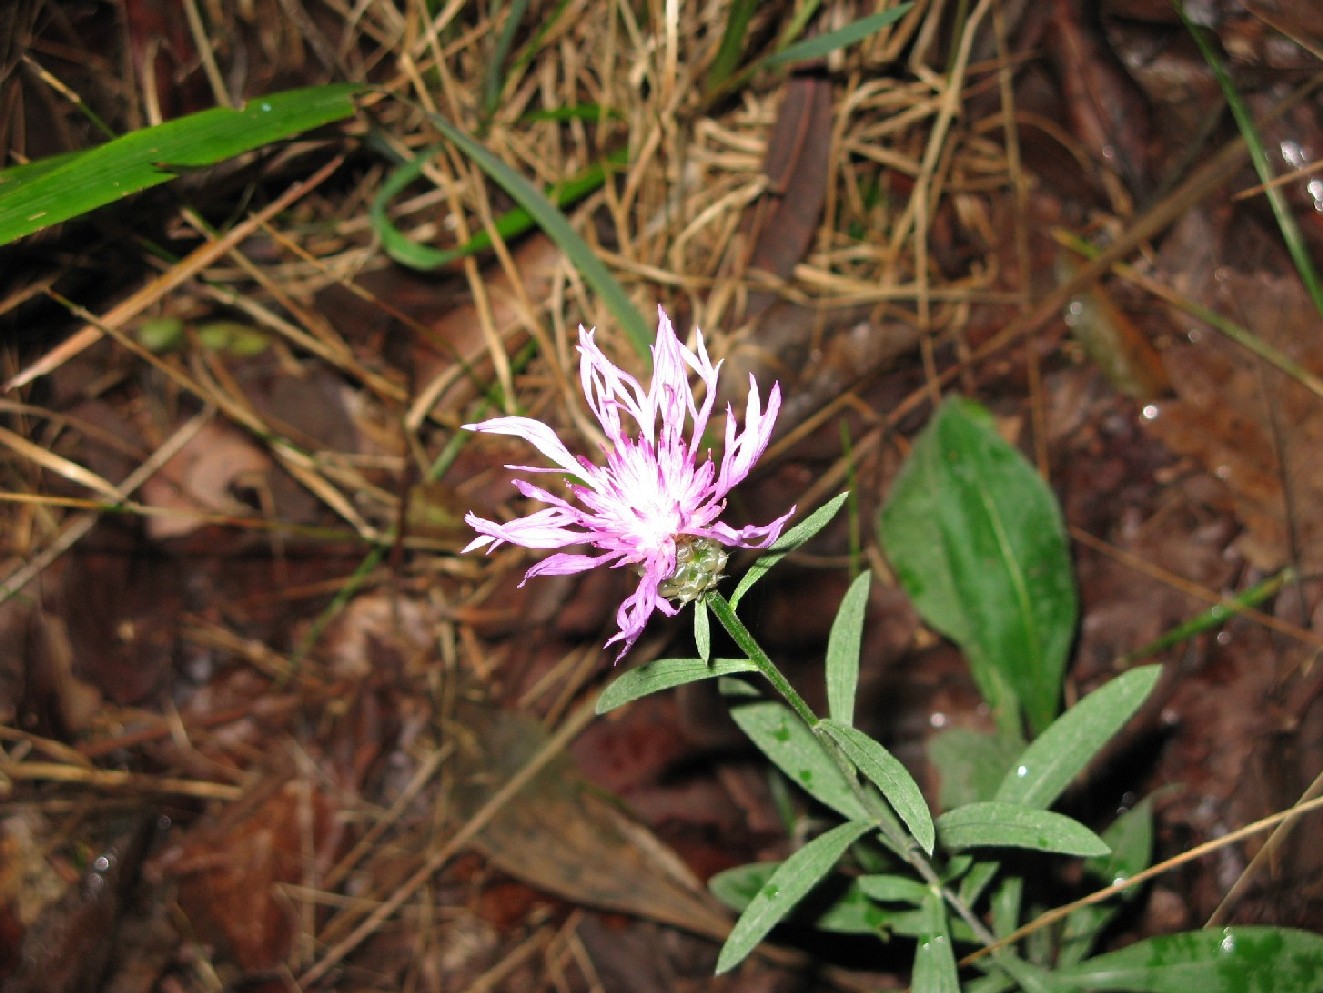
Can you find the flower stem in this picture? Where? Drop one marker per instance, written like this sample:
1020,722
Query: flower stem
750,647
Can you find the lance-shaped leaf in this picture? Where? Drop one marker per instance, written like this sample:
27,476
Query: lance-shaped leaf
1060,753
665,674
1006,825
886,772
795,750
787,886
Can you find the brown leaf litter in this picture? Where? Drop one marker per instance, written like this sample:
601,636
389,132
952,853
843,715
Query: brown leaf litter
261,725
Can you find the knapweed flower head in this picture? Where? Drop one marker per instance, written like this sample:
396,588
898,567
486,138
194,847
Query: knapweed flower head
655,502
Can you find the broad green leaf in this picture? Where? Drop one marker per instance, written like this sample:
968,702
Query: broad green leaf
1226,960
787,543
847,633
977,540
665,674
887,773
970,764
796,751
1047,766
39,194
558,229
934,958
824,44
1006,825
791,881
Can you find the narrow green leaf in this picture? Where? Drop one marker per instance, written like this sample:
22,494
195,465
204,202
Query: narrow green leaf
1292,237
1227,960
824,44
977,540
885,771
995,981
850,913
510,224
787,886
494,75
727,59
558,229
975,878
795,750
736,887
665,674
39,194
893,889
1004,907
934,958
788,542
1006,825
703,630
847,633
1215,616
1047,766
854,913
1130,837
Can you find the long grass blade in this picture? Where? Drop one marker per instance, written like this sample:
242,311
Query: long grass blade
558,229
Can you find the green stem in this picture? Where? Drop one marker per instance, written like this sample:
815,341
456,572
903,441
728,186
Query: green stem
750,647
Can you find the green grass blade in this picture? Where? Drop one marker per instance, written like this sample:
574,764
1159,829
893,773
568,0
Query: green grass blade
493,79
511,224
732,43
39,194
1286,222
558,229
824,44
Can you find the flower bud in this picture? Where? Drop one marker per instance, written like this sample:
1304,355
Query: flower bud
698,565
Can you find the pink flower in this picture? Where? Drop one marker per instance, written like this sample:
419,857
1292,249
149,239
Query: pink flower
654,504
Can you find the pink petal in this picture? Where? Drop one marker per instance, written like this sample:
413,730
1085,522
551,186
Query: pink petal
536,434
565,564
543,529
743,450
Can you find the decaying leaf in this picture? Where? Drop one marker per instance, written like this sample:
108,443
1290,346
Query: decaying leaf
564,835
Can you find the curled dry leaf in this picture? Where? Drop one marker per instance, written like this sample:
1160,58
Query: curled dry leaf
200,481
